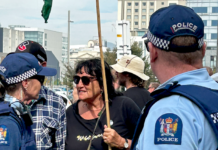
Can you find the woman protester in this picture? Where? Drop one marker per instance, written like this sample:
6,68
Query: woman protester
22,76
86,119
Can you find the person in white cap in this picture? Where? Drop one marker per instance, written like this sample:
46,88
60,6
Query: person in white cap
130,69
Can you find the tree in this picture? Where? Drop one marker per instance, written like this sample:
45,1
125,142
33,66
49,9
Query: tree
110,56
136,50
68,76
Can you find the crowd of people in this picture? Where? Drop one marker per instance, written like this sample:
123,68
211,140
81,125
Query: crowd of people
167,115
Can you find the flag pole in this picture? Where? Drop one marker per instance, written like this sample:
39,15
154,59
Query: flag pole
103,68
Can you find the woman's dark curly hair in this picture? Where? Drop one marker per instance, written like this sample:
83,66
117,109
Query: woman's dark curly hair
93,67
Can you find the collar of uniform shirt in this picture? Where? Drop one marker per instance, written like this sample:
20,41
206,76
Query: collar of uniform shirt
185,77
15,103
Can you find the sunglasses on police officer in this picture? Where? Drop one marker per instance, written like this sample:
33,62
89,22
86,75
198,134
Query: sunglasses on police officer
85,80
146,44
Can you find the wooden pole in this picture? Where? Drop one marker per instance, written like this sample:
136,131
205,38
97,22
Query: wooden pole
103,68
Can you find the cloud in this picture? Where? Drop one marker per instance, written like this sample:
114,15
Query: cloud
83,13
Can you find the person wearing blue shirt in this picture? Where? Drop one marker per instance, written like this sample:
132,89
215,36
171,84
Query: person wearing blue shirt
175,41
22,76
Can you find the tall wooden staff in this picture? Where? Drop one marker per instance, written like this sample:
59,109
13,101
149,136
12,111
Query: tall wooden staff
103,67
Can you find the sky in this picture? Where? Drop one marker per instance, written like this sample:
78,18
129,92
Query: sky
83,13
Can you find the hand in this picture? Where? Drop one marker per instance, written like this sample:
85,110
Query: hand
112,138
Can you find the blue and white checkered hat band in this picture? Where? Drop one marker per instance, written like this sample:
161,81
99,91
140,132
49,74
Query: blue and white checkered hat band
158,42
21,77
164,44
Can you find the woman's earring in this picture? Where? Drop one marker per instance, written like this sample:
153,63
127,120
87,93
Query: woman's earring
101,91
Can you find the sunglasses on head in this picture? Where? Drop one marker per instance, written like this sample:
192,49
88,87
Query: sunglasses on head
85,80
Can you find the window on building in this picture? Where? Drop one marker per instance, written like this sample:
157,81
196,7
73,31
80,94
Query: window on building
214,23
151,3
136,10
162,3
129,10
151,10
136,4
129,4
144,4
205,36
45,43
200,9
128,16
143,16
214,9
45,35
172,4
136,23
143,23
144,10
213,62
140,33
136,17
205,22
214,36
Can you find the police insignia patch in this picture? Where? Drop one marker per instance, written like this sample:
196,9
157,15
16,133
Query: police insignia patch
4,135
168,129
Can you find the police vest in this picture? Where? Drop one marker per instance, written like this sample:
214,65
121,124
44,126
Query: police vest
27,135
206,99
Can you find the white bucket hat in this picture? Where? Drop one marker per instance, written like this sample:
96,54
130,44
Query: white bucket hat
132,64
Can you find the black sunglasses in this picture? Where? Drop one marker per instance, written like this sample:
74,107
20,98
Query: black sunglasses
146,44
85,80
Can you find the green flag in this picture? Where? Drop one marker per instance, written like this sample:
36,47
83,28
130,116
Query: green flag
46,9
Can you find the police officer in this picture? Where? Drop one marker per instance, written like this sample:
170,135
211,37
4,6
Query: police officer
22,76
176,46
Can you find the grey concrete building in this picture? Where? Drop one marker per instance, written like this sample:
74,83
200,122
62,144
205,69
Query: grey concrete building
9,39
53,63
138,12
208,11
53,41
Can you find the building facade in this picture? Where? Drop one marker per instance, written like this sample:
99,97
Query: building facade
91,50
53,41
138,12
9,39
208,11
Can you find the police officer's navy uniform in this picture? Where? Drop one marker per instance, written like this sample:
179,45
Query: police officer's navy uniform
14,133
15,119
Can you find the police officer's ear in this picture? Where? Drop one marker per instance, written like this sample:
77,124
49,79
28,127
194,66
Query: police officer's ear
204,49
25,84
153,52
